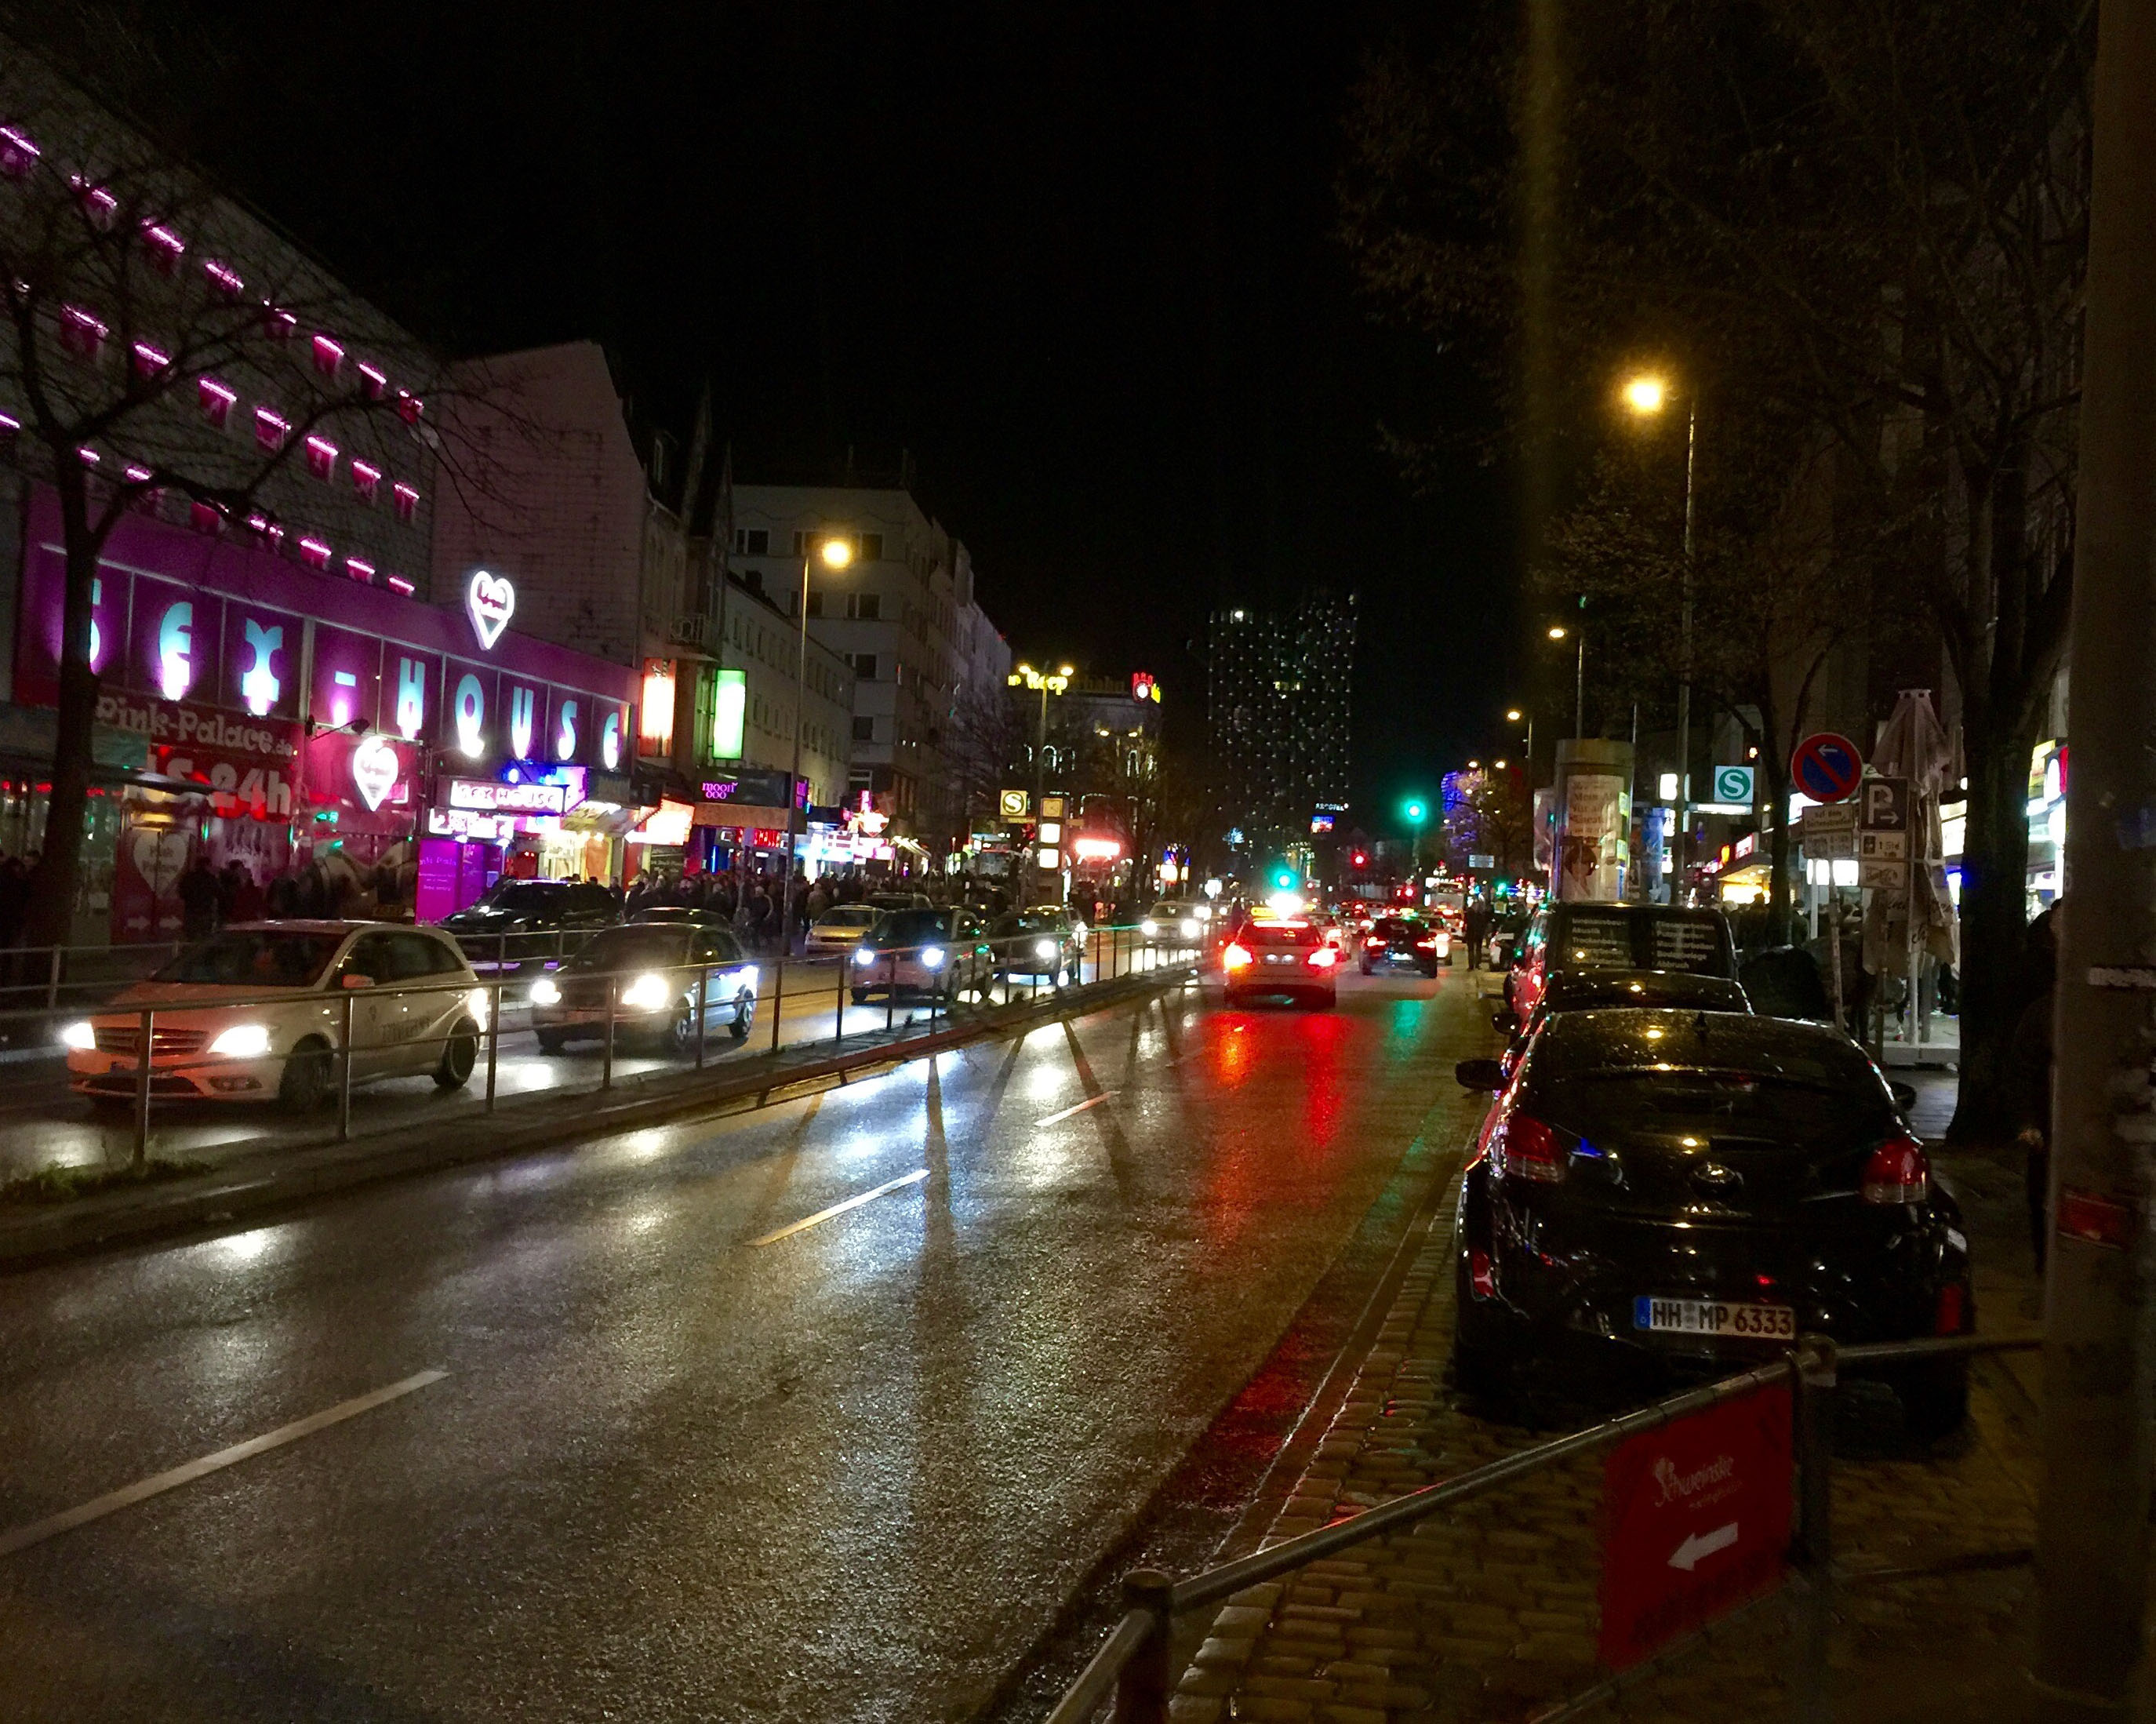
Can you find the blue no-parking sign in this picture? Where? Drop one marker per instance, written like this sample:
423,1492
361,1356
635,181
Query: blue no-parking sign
1826,767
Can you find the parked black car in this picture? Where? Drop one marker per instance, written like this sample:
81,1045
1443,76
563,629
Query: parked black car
1680,1190
526,924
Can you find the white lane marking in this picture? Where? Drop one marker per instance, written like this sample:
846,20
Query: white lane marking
37,1531
1090,1101
867,1196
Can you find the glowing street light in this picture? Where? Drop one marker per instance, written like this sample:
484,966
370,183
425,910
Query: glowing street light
1512,715
1646,394
835,553
1557,631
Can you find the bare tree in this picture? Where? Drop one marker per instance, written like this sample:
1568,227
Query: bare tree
162,350
1894,193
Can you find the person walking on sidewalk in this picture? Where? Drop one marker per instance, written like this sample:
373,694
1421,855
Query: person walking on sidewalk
1474,928
2029,1060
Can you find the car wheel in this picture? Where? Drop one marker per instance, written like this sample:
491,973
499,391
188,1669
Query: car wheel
552,1041
306,1083
1364,966
860,995
1480,1366
1430,970
1934,1397
460,1055
744,1018
681,1032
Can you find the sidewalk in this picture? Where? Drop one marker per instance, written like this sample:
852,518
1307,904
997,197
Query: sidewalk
1490,1613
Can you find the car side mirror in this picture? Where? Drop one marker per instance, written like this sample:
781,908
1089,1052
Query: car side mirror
1480,1073
350,980
1501,1022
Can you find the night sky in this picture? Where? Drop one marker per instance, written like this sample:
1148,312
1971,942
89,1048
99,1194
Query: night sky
1079,260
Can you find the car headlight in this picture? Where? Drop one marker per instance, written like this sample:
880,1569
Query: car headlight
646,993
932,957
243,1041
476,1002
1189,929
80,1038
865,956
1149,927
1043,948
546,992
747,977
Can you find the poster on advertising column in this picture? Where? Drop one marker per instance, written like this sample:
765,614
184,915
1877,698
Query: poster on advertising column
1587,838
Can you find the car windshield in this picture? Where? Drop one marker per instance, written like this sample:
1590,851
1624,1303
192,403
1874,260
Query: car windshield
1031,921
849,916
911,927
256,957
1392,927
633,944
1168,912
527,897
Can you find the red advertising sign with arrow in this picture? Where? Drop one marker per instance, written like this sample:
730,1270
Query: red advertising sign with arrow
1695,1521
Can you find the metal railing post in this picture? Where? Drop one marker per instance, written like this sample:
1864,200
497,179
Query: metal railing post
1813,1405
703,1008
500,953
606,1063
53,980
890,992
493,1041
1142,1691
777,1002
839,1011
344,1072
142,1058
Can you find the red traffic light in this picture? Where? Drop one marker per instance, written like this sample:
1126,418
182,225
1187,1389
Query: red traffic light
1362,858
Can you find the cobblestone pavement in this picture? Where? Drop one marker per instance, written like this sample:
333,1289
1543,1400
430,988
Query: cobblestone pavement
1490,1612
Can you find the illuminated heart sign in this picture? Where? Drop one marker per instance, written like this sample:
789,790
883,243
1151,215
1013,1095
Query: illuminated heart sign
491,601
374,770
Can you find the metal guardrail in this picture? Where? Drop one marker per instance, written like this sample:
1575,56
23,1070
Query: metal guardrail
1133,1664
1013,963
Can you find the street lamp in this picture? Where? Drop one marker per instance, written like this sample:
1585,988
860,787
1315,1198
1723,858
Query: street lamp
834,554
1514,715
1558,631
1049,683
1645,395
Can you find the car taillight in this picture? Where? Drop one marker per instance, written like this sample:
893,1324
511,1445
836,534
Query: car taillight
1898,1173
1481,1279
1530,1149
1424,944
1374,943
1234,957
1323,958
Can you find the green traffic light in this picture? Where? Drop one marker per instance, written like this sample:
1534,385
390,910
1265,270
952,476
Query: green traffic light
1416,810
1285,880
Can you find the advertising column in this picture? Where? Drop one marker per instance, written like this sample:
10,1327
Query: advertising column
1594,805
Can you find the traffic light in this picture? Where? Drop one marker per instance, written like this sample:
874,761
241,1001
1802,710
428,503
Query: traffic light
1415,808
1284,880
1361,859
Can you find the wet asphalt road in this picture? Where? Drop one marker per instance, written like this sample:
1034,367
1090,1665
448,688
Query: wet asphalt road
688,1460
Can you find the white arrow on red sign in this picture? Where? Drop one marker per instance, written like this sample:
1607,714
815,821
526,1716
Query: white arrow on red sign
1702,1544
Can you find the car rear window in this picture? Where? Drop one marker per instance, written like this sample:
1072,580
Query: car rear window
1281,934
1587,939
1597,942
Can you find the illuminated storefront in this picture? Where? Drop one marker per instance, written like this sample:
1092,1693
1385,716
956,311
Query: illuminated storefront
290,716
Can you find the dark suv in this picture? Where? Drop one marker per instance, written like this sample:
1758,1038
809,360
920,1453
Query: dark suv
526,924
1565,938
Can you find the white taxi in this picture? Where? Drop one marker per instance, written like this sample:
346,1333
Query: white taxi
258,1012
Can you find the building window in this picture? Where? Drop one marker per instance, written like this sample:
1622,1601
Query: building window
365,477
872,547
81,333
321,457
752,540
270,428
222,279
329,356
867,606
407,498
865,730
864,666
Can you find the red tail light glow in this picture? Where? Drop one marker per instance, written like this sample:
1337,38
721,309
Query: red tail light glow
1234,957
1323,958
1950,1310
1529,1149
1481,1277
1423,945
1898,1173
1373,942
